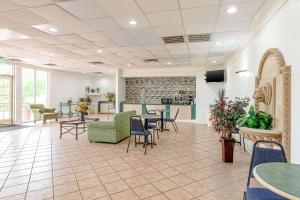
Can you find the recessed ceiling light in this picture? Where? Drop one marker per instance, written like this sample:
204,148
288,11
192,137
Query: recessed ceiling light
54,30
219,43
128,65
111,71
231,10
213,61
168,63
132,22
99,51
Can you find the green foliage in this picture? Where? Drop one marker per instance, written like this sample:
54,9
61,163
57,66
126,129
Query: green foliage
259,120
225,113
110,96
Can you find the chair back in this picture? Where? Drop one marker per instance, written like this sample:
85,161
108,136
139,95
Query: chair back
262,155
176,114
136,125
41,107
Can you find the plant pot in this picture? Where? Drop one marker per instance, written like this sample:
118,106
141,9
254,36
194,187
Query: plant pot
227,149
82,117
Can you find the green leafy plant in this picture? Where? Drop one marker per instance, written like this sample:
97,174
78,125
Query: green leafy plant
225,113
259,120
110,96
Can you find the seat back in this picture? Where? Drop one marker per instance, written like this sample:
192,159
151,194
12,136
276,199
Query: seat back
122,122
41,107
136,125
262,155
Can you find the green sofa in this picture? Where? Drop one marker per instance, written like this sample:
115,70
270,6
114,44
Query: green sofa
110,131
41,113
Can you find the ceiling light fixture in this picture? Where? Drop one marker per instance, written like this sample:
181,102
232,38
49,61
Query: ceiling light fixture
28,60
218,43
54,30
128,65
213,61
231,10
99,51
132,22
168,63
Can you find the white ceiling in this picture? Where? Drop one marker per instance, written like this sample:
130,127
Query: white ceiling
83,28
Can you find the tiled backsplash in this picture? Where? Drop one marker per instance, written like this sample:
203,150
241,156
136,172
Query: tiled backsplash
152,89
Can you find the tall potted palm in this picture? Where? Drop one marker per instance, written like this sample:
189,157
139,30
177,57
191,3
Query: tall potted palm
224,116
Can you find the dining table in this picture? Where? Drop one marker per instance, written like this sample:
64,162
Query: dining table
161,111
281,178
146,118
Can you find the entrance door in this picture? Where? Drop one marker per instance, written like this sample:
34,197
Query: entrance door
6,100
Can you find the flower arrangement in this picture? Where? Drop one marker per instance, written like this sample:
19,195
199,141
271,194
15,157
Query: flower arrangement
110,96
225,113
82,107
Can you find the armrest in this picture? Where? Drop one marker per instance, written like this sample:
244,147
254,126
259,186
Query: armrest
102,124
35,111
49,110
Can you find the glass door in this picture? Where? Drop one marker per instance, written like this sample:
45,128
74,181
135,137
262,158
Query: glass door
6,100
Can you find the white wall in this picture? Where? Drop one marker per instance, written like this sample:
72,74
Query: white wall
281,32
64,85
106,84
206,94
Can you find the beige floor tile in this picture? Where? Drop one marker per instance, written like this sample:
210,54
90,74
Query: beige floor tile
178,194
40,176
128,173
37,185
154,176
104,170
93,193
158,197
85,175
64,179
181,180
70,196
196,189
146,191
107,178
125,195
16,181
136,181
40,194
88,183
116,186
169,172
13,190
15,197
65,188
165,185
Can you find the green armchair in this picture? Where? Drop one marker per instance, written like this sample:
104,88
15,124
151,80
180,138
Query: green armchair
110,131
41,113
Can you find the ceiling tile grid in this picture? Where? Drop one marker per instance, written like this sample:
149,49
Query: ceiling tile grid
122,34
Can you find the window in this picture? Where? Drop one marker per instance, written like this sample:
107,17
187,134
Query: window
34,90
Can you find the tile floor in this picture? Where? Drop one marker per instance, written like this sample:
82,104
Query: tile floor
35,164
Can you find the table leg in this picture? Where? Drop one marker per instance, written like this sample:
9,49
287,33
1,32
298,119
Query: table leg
146,124
76,132
60,131
161,121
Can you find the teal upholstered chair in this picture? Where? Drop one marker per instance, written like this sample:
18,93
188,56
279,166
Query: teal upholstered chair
41,113
110,131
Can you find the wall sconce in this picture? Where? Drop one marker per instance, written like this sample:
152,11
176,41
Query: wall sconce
243,73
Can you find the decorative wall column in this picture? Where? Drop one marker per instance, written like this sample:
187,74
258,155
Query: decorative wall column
120,89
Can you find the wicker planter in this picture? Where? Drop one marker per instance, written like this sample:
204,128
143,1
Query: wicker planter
227,149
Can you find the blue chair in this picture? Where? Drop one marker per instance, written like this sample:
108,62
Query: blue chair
173,121
152,123
262,155
137,129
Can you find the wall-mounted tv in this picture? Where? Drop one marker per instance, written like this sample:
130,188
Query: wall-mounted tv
215,76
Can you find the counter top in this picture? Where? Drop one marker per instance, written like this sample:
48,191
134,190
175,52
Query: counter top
156,103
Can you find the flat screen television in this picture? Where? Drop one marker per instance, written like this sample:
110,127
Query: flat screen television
215,76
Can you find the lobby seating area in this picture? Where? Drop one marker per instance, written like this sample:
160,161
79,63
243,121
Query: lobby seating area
149,100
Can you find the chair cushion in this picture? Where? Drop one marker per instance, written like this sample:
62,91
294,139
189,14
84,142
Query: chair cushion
146,132
151,126
262,194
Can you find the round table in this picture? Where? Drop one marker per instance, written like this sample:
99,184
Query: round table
281,178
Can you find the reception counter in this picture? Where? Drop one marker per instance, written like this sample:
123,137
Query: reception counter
186,112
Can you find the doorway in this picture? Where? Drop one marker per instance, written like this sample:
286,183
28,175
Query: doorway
6,100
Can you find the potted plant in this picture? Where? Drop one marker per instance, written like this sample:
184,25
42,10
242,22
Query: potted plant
257,120
110,96
224,116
